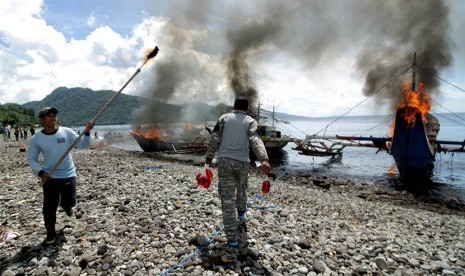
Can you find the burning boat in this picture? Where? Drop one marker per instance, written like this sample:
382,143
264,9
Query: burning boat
412,143
195,139
157,140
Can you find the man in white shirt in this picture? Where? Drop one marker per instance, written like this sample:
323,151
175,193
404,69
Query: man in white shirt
60,187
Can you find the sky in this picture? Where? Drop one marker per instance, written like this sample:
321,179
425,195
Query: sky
312,58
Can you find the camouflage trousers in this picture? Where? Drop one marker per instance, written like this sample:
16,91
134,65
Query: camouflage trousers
232,188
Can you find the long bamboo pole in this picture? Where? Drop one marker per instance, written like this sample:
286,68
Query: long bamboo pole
151,55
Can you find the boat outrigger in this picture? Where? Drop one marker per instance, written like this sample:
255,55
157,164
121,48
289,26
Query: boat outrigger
412,144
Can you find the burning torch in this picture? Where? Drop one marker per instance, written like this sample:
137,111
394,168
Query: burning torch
149,56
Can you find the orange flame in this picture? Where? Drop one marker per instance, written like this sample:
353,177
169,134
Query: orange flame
415,101
412,103
391,171
149,134
149,54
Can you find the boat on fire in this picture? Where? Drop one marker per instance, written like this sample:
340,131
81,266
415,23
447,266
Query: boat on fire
195,139
154,139
413,142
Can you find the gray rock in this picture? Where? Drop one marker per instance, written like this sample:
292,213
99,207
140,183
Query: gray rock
381,262
140,222
319,266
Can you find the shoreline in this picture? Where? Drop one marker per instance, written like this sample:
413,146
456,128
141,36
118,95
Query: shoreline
142,213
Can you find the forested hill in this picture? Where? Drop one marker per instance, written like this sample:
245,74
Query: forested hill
78,105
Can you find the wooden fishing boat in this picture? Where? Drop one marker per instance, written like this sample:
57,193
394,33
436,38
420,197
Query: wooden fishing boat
412,148
273,139
196,139
413,143
151,140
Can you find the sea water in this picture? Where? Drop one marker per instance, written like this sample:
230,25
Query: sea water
373,165
364,164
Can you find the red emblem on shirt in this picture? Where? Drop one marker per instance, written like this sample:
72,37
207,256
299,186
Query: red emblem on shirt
60,140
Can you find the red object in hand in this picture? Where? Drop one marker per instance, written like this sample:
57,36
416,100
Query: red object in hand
265,187
209,174
204,178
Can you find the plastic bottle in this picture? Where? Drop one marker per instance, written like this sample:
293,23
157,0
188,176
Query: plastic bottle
266,187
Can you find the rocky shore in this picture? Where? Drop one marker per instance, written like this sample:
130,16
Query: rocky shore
143,214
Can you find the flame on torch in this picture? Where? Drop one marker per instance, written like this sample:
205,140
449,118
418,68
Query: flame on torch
150,55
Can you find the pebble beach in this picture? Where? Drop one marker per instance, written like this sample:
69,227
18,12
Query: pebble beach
143,214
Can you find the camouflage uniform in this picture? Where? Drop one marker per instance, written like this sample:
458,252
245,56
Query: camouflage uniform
231,137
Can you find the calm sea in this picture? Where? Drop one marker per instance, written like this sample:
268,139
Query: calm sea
357,163
368,163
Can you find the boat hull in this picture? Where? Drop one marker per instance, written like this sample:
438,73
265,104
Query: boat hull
157,144
274,145
411,149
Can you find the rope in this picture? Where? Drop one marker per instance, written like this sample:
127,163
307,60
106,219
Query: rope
444,116
196,253
212,238
258,196
383,122
260,206
374,93
438,77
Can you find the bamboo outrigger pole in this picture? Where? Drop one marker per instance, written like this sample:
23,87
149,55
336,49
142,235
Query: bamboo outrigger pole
151,55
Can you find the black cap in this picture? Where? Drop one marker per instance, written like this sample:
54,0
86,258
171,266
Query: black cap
47,110
241,103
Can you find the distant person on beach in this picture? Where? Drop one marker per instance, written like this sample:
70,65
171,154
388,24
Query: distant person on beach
60,187
17,133
5,134
231,137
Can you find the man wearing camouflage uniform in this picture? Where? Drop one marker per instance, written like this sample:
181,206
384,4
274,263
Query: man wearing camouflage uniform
231,137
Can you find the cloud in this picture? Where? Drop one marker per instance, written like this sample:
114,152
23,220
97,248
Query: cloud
91,20
36,58
306,57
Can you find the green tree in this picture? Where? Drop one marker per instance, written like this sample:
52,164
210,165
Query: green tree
15,114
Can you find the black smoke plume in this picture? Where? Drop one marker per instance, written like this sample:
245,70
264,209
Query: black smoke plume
213,51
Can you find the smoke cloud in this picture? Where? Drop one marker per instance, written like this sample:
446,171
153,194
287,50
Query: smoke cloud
212,53
410,27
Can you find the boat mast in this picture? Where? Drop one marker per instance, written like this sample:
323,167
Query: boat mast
258,112
272,117
414,72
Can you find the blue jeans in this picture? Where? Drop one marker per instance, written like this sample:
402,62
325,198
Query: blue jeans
60,192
